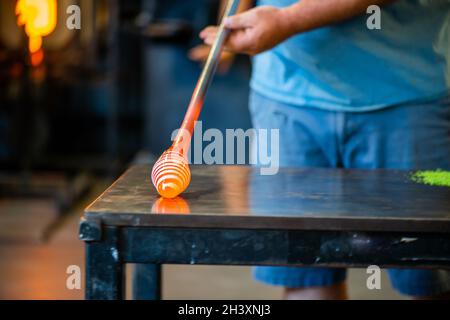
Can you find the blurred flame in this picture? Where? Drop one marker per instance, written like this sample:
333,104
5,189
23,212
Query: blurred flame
37,57
39,18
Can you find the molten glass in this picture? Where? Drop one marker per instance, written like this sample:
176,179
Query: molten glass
171,174
39,18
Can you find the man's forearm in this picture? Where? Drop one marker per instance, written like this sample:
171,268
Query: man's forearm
311,14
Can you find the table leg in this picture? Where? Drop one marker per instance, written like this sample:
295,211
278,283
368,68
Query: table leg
147,282
104,268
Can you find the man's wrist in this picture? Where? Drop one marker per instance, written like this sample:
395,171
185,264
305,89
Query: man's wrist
290,23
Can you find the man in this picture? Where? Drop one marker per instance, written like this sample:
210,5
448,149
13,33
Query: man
344,95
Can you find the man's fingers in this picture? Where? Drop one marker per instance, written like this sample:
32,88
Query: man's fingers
199,53
208,30
209,40
239,21
237,42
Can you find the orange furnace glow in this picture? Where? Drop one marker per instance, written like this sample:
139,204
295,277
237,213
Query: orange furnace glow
39,18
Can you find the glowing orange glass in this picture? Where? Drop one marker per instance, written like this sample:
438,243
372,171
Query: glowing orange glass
170,174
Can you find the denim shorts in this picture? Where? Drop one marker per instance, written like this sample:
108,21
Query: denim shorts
407,136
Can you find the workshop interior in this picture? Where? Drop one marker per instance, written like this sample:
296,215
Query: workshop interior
81,106
98,100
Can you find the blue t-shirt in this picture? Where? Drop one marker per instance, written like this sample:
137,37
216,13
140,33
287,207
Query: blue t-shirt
348,67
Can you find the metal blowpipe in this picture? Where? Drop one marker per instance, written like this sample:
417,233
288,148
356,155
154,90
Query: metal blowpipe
170,174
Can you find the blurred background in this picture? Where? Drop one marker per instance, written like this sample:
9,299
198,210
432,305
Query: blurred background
78,110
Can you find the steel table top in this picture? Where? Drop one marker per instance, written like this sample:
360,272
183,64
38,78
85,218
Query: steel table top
294,199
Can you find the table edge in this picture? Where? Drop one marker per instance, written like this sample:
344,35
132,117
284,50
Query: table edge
356,224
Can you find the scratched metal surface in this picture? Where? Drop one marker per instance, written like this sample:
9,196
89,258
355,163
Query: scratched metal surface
310,199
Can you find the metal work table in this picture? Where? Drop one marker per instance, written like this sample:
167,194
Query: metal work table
232,215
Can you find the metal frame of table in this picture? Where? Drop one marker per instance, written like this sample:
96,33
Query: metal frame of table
109,248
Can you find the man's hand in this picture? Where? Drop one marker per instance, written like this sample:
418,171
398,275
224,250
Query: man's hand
262,28
252,31
200,53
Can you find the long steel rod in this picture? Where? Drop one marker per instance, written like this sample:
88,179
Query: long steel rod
207,74
171,174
